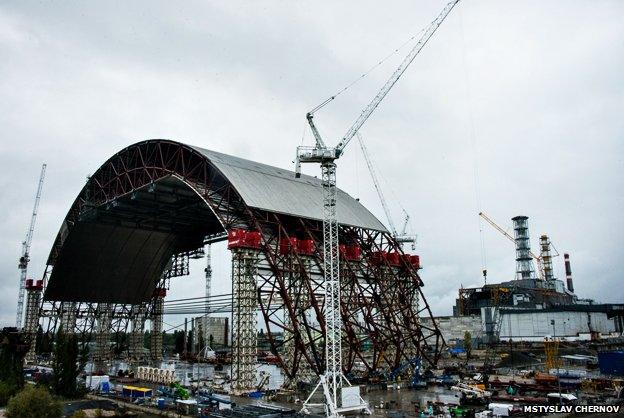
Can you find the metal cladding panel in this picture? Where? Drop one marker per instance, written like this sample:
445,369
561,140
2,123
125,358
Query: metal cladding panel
106,263
277,190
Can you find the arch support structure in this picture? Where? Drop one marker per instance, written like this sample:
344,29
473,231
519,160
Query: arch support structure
157,200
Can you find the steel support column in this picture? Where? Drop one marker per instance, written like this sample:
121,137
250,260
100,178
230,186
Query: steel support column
31,323
137,320
156,337
244,332
101,356
68,317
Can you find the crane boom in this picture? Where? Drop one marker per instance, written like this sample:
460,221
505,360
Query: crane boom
332,380
401,237
321,153
385,89
25,257
538,259
373,173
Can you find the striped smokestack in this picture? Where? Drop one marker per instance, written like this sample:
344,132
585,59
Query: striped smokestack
568,272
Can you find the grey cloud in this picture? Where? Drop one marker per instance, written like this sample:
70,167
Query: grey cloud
542,82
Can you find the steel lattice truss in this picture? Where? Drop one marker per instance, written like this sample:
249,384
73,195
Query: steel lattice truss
381,303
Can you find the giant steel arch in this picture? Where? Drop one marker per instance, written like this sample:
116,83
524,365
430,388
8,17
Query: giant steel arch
159,199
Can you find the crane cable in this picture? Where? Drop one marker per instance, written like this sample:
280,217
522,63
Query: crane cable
366,73
474,144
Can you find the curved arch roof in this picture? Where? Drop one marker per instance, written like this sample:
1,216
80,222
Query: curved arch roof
277,190
142,206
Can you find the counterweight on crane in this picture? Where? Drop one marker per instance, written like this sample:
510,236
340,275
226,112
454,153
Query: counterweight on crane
25,257
401,237
332,380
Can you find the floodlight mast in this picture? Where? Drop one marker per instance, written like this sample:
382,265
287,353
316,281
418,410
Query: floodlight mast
333,378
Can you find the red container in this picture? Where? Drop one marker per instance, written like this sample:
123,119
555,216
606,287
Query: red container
415,261
306,246
289,245
378,257
39,284
253,239
241,238
353,252
236,238
394,258
29,283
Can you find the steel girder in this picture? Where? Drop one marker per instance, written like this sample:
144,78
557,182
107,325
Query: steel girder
378,299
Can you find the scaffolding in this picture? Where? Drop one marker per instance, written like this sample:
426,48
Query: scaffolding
31,323
156,337
137,323
376,306
68,317
102,351
244,306
546,257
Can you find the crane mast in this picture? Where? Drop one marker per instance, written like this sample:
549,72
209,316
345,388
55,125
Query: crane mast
333,378
25,257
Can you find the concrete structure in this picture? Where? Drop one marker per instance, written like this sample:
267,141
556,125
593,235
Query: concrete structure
453,328
577,323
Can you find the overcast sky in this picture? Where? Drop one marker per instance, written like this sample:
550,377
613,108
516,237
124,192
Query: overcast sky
526,94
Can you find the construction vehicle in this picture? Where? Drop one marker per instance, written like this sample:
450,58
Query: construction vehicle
333,378
416,380
472,392
25,257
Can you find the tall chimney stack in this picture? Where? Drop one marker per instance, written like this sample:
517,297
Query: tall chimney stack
568,272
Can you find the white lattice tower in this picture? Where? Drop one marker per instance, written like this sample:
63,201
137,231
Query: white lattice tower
244,323
137,324
102,337
156,337
331,264
333,379
31,321
68,317
291,281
